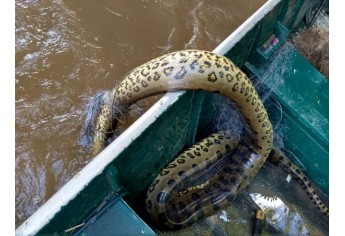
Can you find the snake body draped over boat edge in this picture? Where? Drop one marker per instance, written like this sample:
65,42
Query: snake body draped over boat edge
188,192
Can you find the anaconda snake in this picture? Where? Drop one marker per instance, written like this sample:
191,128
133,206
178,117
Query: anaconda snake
183,198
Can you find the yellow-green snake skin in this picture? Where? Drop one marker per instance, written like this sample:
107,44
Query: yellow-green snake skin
183,192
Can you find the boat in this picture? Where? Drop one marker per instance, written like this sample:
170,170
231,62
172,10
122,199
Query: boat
101,198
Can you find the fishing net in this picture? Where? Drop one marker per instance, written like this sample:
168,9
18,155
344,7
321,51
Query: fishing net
287,207
288,210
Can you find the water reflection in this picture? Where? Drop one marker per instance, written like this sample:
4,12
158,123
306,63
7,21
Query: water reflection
279,215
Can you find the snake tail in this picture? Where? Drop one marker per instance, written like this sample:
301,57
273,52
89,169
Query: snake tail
280,159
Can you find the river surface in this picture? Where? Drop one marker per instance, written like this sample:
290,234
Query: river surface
67,51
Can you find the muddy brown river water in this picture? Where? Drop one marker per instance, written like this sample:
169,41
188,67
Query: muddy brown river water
67,51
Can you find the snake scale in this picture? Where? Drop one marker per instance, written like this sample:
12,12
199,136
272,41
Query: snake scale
183,192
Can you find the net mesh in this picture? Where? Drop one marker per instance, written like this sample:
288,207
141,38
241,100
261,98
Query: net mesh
288,210
287,207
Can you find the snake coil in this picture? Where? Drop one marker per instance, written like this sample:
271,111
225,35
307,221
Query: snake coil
184,192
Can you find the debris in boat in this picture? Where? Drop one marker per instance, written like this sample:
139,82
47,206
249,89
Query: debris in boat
224,216
313,42
280,215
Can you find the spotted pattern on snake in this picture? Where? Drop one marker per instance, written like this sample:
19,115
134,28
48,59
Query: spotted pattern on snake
192,186
103,123
197,183
222,177
188,70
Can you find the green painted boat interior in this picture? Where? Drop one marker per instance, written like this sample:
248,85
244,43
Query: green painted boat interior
302,93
